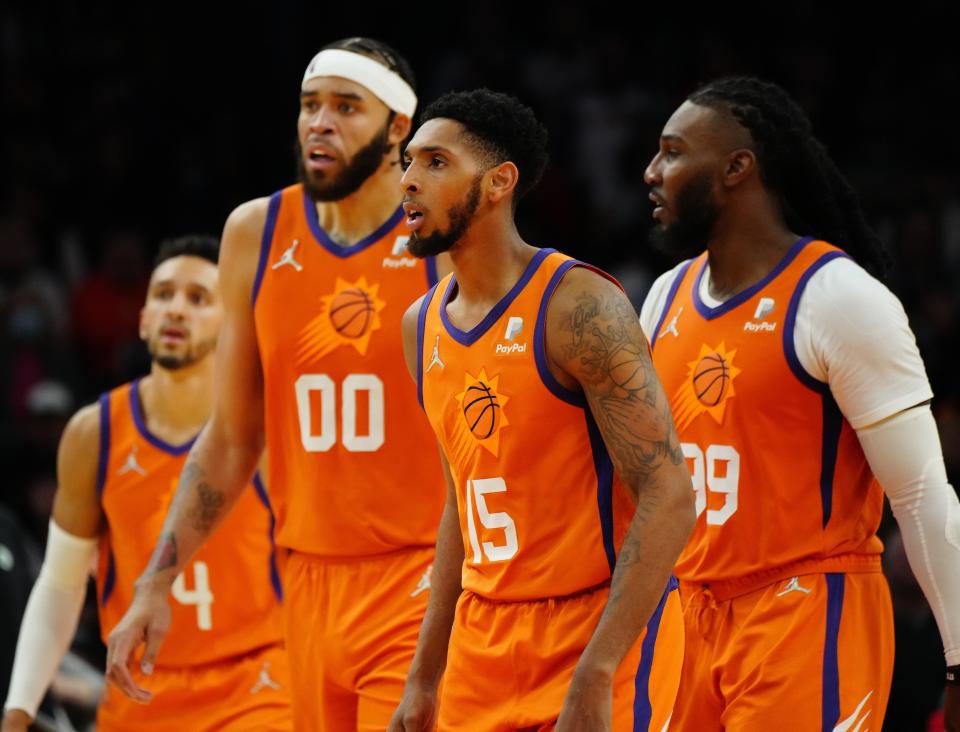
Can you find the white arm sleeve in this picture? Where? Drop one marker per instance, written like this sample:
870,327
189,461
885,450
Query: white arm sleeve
853,334
904,453
51,617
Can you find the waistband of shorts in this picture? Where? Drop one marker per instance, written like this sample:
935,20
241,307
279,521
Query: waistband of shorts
232,660
406,551
586,592
728,589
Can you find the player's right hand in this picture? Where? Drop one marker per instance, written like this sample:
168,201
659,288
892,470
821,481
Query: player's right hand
417,711
146,621
15,720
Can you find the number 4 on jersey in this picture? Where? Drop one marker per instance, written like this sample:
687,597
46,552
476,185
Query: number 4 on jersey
200,595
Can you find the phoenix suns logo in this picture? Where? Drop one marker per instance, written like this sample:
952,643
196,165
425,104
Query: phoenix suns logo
482,417
347,316
708,386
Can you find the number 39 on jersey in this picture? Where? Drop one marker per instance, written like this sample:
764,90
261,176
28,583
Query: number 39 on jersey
716,480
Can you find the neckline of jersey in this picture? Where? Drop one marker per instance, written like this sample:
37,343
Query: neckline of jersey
470,337
741,297
324,240
136,409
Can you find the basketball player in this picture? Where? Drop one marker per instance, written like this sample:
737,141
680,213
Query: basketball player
567,500
798,392
316,280
223,666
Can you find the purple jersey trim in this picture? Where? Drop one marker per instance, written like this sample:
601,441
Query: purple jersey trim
467,338
789,345
830,704
104,449
604,470
741,297
110,581
671,295
421,326
642,709
331,246
540,346
831,417
141,423
832,424
265,241
261,492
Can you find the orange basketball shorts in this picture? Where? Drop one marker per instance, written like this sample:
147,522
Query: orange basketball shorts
246,694
352,627
814,652
509,664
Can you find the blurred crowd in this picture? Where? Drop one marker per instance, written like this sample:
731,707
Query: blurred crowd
120,128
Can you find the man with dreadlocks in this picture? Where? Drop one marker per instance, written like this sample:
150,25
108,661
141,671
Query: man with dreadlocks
310,360
797,391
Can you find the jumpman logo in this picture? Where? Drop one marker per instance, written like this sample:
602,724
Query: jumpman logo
131,465
793,586
672,327
435,359
287,258
424,583
263,680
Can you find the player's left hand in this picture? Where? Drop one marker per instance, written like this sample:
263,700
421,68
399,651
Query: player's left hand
588,706
951,709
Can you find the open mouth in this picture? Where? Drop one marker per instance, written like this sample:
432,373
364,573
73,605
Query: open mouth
319,157
414,216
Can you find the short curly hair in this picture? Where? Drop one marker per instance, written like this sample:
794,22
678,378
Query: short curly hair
501,128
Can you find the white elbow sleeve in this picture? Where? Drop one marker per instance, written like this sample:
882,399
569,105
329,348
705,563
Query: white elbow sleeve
905,455
50,619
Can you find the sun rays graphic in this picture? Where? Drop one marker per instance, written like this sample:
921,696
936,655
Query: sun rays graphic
347,316
482,416
708,386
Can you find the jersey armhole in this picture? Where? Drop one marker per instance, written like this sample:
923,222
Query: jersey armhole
273,569
421,326
265,243
104,450
540,333
789,327
671,295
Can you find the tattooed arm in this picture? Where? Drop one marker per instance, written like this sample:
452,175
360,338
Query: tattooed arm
220,463
595,344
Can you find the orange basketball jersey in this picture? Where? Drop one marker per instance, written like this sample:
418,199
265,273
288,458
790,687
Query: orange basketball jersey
782,486
227,601
541,511
341,419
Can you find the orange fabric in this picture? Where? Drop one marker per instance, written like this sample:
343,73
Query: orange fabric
541,512
766,661
226,602
340,412
245,694
780,478
509,664
352,627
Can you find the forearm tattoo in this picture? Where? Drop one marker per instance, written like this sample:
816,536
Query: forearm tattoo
206,502
165,555
609,354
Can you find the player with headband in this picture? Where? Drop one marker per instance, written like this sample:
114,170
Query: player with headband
316,279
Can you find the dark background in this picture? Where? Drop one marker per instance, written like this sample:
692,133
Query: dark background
124,125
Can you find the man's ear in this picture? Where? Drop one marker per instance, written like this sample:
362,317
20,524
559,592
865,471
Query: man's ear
501,181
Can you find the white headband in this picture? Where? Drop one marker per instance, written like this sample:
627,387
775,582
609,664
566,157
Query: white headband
387,85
